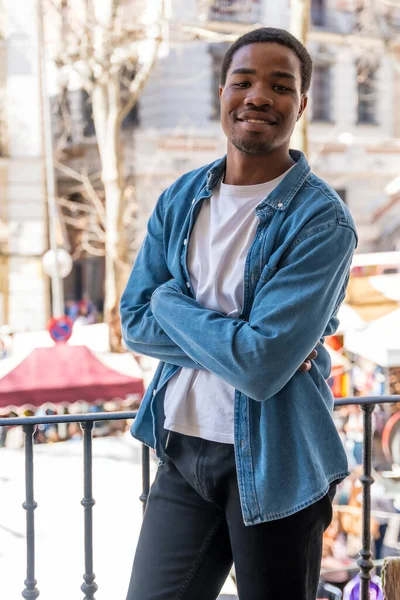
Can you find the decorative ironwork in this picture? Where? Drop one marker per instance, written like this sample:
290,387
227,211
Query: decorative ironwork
364,562
28,424
88,587
30,592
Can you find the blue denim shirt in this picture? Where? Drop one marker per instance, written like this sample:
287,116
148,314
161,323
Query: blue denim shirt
286,445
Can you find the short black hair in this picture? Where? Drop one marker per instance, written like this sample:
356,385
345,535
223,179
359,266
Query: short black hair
271,35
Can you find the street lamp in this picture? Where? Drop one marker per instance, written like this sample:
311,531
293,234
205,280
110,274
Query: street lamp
57,262
52,260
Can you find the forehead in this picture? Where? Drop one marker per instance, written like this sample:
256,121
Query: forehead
266,57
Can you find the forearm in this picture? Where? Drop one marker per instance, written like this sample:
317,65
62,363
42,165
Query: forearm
143,334
218,343
260,356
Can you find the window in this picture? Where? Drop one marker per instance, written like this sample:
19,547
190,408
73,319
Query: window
318,13
217,52
321,93
367,96
242,11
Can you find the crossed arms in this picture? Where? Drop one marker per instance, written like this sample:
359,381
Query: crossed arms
287,319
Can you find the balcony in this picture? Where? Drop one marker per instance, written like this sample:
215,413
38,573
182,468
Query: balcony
87,422
234,11
332,21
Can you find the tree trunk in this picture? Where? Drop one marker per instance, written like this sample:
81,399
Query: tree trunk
106,103
299,24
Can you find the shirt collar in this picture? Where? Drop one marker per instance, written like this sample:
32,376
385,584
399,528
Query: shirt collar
284,192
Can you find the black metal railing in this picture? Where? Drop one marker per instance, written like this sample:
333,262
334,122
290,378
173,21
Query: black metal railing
86,421
365,562
89,587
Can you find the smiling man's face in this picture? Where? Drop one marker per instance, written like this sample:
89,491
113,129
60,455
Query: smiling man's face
261,99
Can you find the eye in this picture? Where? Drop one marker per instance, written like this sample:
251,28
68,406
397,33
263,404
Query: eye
282,88
241,84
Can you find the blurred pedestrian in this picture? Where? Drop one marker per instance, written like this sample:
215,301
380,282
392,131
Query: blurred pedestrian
74,431
82,317
71,309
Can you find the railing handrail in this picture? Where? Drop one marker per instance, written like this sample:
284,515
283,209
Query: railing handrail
89,587
77,418
367,400
116,416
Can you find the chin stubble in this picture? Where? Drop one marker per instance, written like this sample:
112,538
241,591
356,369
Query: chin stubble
251,146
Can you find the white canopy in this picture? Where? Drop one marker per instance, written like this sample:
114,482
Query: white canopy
378,342
349,319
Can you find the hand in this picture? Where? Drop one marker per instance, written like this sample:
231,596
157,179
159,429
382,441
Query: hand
306,365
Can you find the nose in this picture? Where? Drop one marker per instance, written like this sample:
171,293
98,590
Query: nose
258,97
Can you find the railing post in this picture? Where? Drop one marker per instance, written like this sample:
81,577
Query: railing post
89,587
145,475
30,592
364,562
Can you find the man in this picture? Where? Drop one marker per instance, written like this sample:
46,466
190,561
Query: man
240,277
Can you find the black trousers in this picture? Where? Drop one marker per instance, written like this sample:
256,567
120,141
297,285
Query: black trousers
193,531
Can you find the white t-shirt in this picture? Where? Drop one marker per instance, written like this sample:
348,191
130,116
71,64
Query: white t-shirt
199,403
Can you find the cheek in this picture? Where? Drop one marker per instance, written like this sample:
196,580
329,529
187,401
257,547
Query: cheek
290,116
227,104
224,118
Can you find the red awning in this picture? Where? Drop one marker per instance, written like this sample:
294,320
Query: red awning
64,373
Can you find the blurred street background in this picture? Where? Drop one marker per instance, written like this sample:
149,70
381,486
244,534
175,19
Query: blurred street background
103,104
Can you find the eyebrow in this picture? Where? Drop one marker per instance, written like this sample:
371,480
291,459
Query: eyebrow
247,71
244,71
284,74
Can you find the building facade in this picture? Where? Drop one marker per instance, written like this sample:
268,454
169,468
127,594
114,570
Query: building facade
23,230
353,131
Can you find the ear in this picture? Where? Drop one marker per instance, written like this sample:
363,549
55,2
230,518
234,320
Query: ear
303,104
221,89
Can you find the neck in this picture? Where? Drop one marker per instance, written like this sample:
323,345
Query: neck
250,169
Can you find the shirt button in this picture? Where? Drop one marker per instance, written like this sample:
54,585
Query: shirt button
184,242
242,443
188,284
194,200
154,392
280,204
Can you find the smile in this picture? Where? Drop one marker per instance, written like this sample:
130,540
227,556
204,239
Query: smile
258,121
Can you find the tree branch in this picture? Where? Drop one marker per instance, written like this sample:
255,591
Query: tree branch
139,81
91,192
85,241
87,185
77,223
75,206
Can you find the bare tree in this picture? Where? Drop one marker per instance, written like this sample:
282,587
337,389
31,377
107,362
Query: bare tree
112,47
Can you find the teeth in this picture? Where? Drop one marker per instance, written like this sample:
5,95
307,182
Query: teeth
256,121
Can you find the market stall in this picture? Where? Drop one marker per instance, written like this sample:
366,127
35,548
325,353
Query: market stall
64,374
